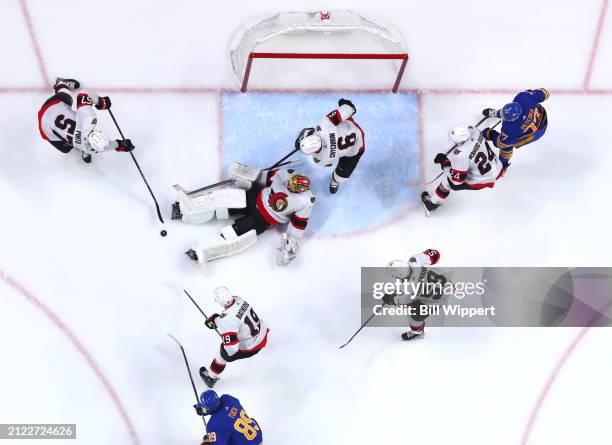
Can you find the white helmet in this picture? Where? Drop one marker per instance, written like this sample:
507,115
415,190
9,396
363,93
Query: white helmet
459,135
98,141
311,144
223,296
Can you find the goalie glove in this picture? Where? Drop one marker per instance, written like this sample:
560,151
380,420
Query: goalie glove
287,251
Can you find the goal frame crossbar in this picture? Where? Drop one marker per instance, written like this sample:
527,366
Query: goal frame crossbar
260,55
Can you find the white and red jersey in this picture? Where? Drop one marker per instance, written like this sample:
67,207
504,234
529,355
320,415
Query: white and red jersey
474,163
278,205
341,136
59,123
241,328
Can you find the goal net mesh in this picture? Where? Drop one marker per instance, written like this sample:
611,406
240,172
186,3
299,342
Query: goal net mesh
325,33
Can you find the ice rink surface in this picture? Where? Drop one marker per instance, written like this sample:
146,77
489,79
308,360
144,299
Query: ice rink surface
85,301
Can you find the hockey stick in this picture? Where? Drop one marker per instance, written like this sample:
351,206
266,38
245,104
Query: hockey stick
139,170
200,309
358,331
455,146
228,181
179,288
195,392
278,163
421,277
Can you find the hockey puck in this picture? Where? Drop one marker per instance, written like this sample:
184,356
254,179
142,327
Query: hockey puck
163,233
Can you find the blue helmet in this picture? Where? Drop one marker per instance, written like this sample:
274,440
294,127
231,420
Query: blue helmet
209,400
511,112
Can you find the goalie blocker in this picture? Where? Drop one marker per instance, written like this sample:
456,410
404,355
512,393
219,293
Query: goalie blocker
260,201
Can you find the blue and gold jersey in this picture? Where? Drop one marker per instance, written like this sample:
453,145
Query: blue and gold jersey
230,425
529,127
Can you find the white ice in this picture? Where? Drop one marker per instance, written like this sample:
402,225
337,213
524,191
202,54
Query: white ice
83,239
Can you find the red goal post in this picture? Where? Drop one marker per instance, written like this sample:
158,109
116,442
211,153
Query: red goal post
315,35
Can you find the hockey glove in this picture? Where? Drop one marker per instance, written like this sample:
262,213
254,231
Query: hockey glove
104,103
199,410
347,102
442,159
124,145
209,438
488,134
489,112
389,299
210,321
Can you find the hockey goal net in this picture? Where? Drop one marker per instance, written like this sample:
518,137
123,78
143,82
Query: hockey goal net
338,34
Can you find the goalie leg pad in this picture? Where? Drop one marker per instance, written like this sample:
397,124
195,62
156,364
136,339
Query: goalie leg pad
202,208
228,244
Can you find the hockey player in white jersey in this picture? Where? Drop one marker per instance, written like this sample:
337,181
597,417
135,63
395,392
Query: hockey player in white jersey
416,270
336,138
243,333
472,165
67,120
280,196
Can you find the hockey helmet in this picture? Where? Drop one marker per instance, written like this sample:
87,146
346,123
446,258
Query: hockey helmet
511,112
97,141
209,400
459,135
223,296
311,144
298,184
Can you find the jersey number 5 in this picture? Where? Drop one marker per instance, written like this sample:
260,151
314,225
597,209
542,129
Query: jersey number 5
65,124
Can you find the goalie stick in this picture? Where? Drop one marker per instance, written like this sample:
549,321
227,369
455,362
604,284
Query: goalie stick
195,391
227,181
455,146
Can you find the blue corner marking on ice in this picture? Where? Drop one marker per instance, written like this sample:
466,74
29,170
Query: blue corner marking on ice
260,128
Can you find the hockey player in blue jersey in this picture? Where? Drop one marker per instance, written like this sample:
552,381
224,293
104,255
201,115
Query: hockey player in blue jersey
229,423
524,120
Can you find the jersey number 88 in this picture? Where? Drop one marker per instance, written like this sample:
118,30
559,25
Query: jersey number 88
246,426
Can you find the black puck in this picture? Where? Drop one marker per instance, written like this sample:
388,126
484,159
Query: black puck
163,233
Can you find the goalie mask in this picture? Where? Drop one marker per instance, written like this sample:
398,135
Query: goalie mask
98,141
311,144
298,184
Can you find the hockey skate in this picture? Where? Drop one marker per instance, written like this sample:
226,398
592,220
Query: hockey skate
427,204
71,84
86,157
176,212
413,335
333,187
208,379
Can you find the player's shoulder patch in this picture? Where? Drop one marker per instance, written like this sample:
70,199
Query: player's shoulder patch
313,199
456,151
